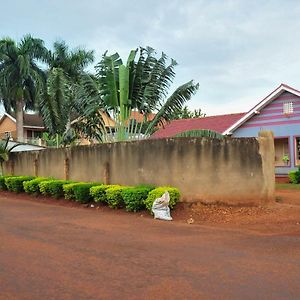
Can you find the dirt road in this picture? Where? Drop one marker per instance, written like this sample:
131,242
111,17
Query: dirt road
55,252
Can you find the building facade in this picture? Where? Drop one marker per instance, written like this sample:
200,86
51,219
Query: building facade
279,112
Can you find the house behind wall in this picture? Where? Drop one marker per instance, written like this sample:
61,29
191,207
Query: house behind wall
279,113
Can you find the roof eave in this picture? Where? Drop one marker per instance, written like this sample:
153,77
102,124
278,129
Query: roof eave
260,105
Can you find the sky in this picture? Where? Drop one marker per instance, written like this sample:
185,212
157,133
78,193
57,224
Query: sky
238,51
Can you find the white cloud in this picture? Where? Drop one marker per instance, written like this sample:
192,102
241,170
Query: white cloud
237,50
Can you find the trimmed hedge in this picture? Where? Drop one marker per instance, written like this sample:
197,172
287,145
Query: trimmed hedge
3,186
56,188
294,176
134,197
114,196
32,186
44,187
15,183
98,193
69,190
158,192
82,191
53,187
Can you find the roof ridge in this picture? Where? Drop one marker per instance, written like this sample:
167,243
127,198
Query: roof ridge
206,117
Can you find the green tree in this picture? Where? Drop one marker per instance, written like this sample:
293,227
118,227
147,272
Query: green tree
186,113
142,84
21,78
65,70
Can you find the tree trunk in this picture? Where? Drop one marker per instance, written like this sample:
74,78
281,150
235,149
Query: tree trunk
20,120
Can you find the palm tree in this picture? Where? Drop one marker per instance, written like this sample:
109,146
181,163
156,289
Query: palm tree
65,70
21,78
141,84
4,152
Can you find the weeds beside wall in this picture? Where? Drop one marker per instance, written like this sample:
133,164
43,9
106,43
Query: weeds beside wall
231,170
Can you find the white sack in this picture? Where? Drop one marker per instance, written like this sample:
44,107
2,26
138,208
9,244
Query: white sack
160,207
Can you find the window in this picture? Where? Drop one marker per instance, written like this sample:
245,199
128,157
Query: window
288,108
297,151
282,152
37,134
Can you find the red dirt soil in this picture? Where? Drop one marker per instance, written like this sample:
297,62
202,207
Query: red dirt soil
56,249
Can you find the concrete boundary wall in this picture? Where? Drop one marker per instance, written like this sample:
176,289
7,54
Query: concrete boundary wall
235,171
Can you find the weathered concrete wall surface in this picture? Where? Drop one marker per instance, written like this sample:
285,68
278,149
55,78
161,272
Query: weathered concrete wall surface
232,171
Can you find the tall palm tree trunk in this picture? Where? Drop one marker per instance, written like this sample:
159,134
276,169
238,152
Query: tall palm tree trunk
20,120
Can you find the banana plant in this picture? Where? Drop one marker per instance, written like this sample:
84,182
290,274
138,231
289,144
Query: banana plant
5,151
142,85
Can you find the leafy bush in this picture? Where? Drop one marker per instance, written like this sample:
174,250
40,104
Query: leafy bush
134,197
53,187
82,191
44,187
99,192
158,192
56,188
32,186
114,196
3,186
15,183
295,176
69,190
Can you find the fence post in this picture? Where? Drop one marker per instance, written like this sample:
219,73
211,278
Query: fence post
106,173
66,169
11,167
36,165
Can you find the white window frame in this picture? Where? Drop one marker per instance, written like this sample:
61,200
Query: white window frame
288,108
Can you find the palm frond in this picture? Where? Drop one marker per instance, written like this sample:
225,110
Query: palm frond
179,97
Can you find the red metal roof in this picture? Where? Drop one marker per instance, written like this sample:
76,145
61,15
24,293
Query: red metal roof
216,123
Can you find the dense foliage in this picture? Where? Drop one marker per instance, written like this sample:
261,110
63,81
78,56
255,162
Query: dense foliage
21,78
32,186
15,183
158,192
134,197
3,186
141,85
82,191
115,196
99,193
53,187
294,176
186,113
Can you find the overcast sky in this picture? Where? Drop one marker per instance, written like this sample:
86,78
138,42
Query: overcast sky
239,51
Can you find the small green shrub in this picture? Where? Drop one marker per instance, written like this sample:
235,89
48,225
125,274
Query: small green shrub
15,183
294,176
3,186
82,191
158,192
44,187
53,187
98,193
134,197
114,196
69,190
56,188
32,186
